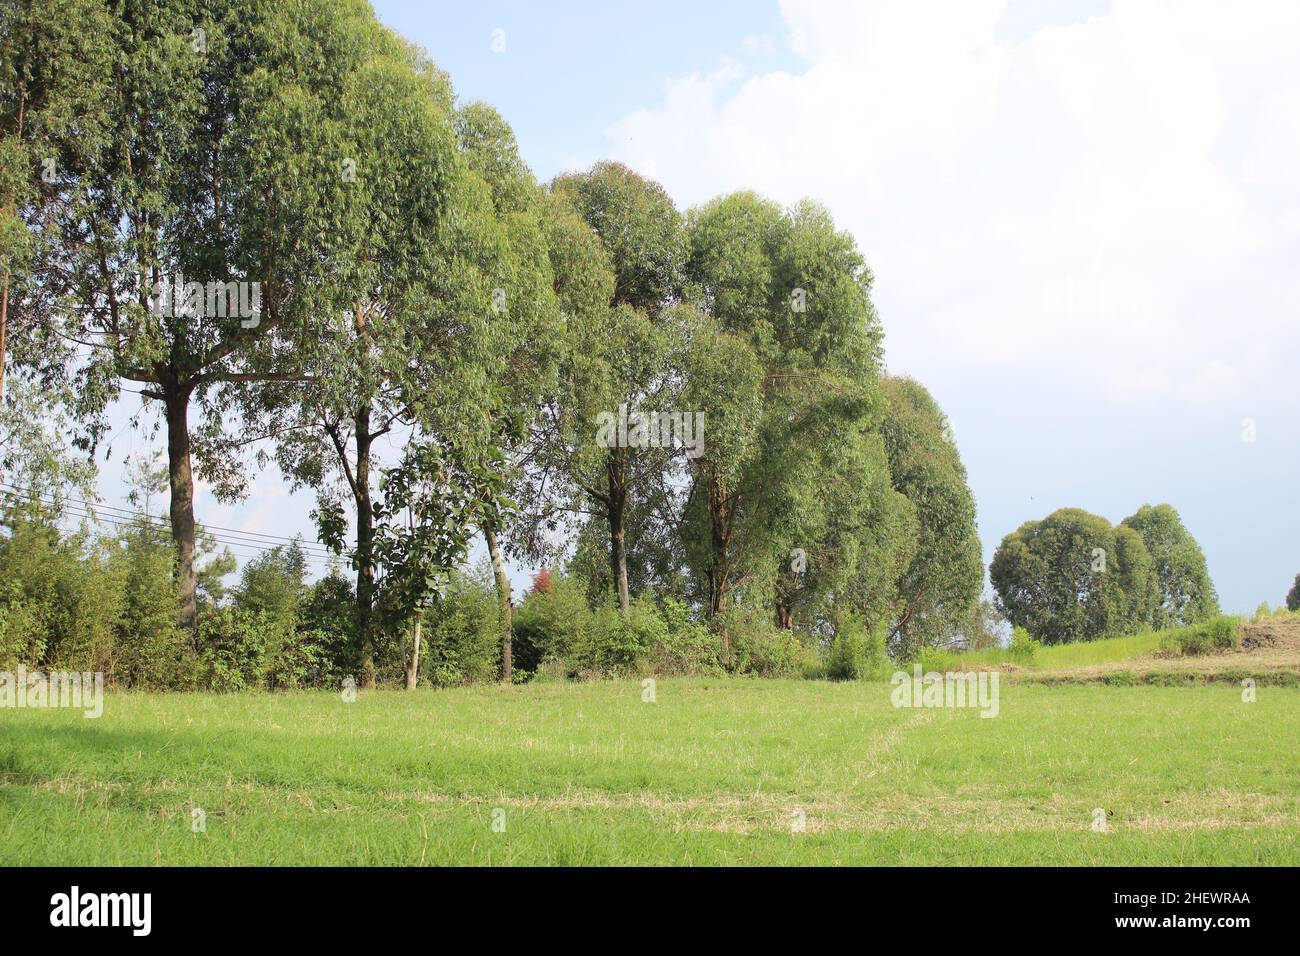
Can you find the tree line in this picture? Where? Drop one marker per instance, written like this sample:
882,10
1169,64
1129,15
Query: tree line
276,224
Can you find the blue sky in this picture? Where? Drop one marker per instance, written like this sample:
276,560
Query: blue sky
1083,219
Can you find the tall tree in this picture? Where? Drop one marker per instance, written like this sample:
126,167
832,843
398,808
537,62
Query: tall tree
201,240
53,80
1074,577
550,245
624,371
795,500
943,581
420,257
1185,594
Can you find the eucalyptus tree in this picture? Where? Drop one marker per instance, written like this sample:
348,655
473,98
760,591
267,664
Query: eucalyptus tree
550,250
942,582
1185,593
795,502
410,334
205,237
618,366
1074,577
53,81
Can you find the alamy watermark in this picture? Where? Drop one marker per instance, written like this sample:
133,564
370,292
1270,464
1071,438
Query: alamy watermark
932,689
629,428
72,689
173,297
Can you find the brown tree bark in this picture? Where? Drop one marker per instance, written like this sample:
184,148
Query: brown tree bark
719,544
365,545
4,324
617,507
181,475
413,662
505,606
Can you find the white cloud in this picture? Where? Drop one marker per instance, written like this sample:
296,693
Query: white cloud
1112,204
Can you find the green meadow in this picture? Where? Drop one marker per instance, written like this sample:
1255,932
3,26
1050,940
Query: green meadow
712,771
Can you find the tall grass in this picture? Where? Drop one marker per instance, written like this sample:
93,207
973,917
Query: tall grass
1081,654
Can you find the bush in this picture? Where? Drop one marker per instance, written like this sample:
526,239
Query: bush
686,646
936,660
461,634
329,610
22,635
1022,648
857,653
1213,636
615,645
760,648
550,624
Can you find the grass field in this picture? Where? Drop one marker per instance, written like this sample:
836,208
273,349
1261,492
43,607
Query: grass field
714,771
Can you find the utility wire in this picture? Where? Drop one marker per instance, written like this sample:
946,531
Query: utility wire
257,548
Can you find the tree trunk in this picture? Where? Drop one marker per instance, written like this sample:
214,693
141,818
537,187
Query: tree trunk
784,616
413,663
719,541
617,542
177,399
365,547
4,323
505,605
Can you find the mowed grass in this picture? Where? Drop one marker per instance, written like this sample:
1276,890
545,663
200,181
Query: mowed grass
713,772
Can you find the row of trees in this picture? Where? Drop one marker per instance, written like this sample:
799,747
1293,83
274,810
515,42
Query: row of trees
417,284
1074,577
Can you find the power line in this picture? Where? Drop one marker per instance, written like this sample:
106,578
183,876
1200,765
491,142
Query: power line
317,555
255,538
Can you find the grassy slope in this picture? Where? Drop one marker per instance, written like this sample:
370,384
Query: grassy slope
709,774
1062,656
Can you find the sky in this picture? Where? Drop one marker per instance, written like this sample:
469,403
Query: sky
1083,220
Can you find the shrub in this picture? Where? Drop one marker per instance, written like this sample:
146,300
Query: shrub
22,635
236,648
1215,635
857,653
1022,648
329,610
687,646
1263,611
615,645
760,648
550,624
461,636
936,660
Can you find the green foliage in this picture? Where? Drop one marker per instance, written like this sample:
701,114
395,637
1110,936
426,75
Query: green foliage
551,624
686,646
243,649
942,582
937,660
272,584
557,633
761,649
1185,593
1074,577
1023,648
1293,596
637,223
1220,633
460,633
858,653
